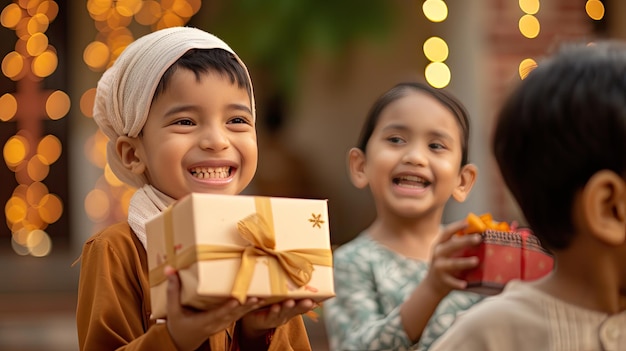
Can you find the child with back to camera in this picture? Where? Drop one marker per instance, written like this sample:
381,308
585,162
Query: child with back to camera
398,273
178,109
560,143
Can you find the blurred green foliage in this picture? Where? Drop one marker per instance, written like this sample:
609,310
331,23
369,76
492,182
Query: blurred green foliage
278,34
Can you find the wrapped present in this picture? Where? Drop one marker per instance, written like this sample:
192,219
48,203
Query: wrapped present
536,260
505,253
226,246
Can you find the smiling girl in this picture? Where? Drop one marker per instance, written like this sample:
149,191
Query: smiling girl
393,281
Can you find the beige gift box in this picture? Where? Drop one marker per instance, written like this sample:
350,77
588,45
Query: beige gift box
240,246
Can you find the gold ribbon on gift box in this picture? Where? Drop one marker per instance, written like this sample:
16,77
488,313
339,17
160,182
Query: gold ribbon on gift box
258,230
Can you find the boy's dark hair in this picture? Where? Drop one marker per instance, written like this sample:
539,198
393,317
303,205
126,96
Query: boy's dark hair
401,90
563,123
201,61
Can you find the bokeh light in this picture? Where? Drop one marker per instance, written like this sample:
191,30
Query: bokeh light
526,66
37,44
87,101
438,74
149,14
37,168
435,10
15,150
529,26
49,149
96,55
57,105
111,178
595,9
35,192
128,8
11,15
45,64
530,7
50,208
15,209
436,49
8,107
97,205
12,65
39,243
37,24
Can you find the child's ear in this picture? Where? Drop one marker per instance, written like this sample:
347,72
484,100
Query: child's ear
467,178
127,151
603,205
356,165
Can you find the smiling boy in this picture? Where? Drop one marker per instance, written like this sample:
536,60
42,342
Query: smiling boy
178,109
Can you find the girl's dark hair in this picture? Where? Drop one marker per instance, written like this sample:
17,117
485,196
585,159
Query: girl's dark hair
403,89
565,122
201,61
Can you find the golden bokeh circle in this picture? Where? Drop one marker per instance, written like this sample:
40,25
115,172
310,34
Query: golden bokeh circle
435,10
96,55
49,148
12,65
436,49
526,66
58,105
38,23
37,168
595,9
15,150
530,7
37,44
8,107
45,64
36,191
529,26
87,101
97,205
438,74
50,208
11,16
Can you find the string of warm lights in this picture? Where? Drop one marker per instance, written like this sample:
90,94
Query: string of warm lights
29,153
529,27
437,72
108,201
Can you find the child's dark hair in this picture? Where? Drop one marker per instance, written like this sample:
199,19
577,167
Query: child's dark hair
565,122
201,61
401,90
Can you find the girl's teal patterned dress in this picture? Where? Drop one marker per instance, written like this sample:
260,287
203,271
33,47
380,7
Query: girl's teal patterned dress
371,282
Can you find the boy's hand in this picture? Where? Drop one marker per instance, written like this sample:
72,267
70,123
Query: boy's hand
444,269
260,321
188,327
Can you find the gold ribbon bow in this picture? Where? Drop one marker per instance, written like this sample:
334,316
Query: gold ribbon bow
258,230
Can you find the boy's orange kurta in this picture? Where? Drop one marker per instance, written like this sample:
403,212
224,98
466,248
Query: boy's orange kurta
114,283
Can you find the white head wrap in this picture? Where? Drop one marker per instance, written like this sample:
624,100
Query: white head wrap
125,91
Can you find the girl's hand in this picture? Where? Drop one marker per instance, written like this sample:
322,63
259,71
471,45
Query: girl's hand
260,321
188,327
444,269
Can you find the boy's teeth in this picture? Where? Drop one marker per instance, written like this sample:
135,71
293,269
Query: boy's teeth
210,172
411,181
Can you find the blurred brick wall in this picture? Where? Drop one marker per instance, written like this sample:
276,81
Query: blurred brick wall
560,20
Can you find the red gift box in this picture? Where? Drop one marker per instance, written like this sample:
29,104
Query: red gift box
536,261
504,255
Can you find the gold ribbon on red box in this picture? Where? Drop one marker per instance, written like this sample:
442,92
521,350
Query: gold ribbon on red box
258,229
